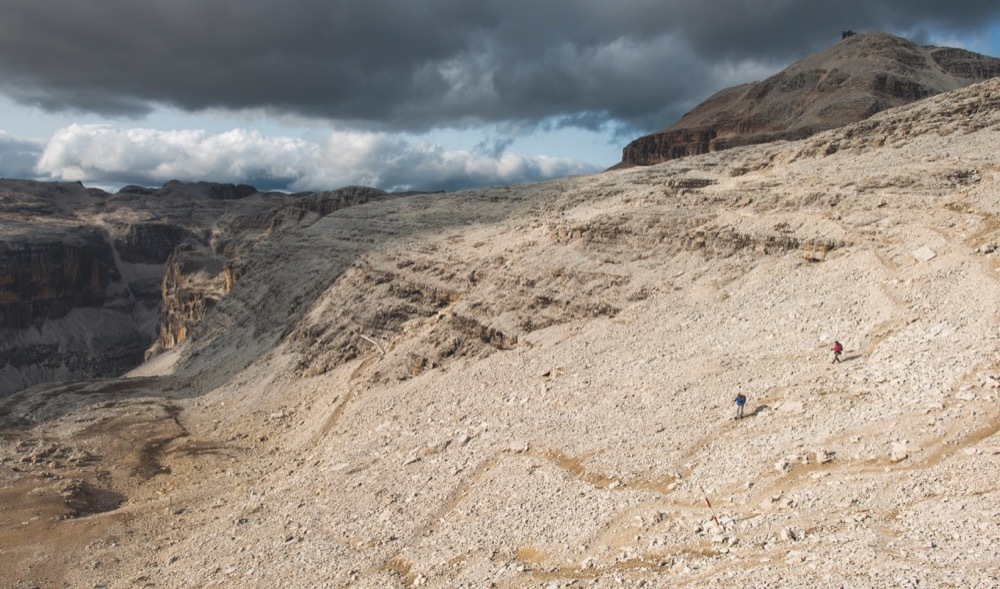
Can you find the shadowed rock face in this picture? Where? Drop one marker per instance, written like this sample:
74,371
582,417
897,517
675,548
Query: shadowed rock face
195,280
150,243
849,82
198,276
89,280
45,279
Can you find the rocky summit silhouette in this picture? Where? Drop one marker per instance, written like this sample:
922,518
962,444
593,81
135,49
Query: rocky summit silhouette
861,75
532,386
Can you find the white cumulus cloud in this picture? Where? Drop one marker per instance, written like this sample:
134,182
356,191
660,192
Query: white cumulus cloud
104,154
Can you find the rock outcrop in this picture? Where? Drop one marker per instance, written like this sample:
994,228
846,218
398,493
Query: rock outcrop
198,276
861,75
150,243
91,283
44,275
195,280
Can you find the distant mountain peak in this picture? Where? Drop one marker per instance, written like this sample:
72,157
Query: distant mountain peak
861,75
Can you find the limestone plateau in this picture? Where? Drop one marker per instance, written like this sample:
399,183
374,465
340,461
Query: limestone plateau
859,76
532,385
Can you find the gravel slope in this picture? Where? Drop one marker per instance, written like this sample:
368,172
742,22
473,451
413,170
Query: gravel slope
531,386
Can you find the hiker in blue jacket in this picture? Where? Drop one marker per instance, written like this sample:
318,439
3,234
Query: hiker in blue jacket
740,401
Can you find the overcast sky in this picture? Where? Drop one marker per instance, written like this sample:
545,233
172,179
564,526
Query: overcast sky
398,94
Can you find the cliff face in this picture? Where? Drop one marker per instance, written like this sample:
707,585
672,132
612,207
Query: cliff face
66,308
45,278
150,243
849,82
966,64
194,282
198,276
82,271
91,283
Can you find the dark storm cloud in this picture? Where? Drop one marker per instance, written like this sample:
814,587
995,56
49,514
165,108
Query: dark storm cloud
405,64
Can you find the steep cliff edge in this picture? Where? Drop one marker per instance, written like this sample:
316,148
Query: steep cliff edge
68,306
849,82
65,307
198,276
91,282
45,274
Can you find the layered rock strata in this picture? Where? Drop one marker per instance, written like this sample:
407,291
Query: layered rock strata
91,282
44,277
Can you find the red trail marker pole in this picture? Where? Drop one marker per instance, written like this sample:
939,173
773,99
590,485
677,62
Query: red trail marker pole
710,507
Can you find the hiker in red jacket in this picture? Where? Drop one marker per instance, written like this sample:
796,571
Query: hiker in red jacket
837,349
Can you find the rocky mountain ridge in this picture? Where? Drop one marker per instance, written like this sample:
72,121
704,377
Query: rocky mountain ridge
531,386
849,82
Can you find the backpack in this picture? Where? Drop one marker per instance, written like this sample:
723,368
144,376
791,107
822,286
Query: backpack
741,399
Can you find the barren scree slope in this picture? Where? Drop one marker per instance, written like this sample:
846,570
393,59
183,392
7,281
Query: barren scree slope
531,386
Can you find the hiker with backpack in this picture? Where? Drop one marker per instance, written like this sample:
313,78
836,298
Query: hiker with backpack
740,401
837,349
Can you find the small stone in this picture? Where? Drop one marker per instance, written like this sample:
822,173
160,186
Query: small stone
823,456
518,446
965,396
924,254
